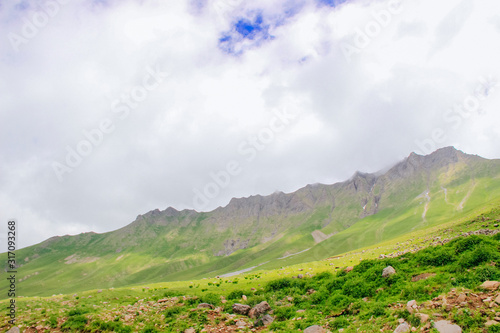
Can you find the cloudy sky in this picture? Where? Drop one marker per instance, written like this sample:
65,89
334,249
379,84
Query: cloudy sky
109,109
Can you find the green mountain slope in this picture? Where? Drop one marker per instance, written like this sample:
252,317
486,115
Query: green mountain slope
316,222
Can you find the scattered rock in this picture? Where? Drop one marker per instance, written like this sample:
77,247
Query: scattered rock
244,297
300,276
423,276
388,271
265,320
349,269
241,323
404,327
205,306
444,326
411,306
490,285
163,300
259,310
14,329
314,329
190,330
423,317
491,323
241,309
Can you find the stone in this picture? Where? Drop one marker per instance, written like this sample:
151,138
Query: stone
444,326
423,317
388,271
300,276
423,276
241,323
241,309
244,297
259,310
411,306
190,330
491,323
490,285
205,306
349,269
14,329
461,298
163,300
497,300
314,329
265,320
404,327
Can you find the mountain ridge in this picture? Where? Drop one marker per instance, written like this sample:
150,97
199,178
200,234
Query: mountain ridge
258,230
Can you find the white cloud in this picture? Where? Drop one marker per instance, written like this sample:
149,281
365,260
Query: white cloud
364,114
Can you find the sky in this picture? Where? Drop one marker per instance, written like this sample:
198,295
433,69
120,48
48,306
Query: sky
110,109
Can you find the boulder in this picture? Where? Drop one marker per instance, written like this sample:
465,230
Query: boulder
388,271
444,326
241,309
259,310
314,329
490,285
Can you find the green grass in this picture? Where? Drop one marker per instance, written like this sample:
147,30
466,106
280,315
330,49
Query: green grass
359,300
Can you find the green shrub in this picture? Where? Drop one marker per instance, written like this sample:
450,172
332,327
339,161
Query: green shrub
437,256
75,323
210,298
339,323
284,313
235,294
482,253
494,328
466,244
53,321
358,288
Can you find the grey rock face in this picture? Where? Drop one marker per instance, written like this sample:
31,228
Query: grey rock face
241,309
388,271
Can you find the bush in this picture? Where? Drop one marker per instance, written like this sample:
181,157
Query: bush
75,323
466,244
437,256
482,253
53,321
284,313
210,298
235,294
494,328
339,323
358,288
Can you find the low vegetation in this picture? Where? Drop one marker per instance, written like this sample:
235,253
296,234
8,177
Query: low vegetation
443,279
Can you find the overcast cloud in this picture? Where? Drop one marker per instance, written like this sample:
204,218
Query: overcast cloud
276,94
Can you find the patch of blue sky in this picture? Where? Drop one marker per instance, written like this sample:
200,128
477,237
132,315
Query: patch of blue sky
331,3
247,32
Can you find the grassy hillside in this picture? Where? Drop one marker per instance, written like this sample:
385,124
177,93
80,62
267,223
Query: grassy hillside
316,222
440,269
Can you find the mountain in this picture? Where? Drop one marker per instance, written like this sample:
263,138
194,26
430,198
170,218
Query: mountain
313,223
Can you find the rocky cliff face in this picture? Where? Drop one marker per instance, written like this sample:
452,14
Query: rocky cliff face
247,222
